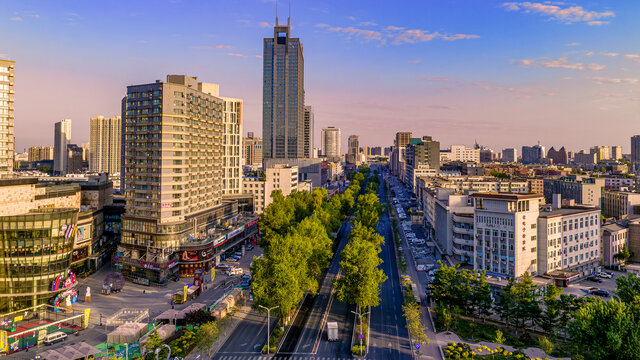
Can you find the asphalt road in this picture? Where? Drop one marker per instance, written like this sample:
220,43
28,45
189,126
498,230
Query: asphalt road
248,337
308,332
389,338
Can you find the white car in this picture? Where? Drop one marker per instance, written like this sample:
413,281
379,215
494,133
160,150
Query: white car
604,275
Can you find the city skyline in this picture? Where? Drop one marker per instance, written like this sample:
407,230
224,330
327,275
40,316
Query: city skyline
445,71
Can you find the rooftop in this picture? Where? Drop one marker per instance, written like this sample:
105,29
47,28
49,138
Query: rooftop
570,210
507,196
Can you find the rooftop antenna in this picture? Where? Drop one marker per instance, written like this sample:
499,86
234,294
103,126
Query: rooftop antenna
289,18
276,12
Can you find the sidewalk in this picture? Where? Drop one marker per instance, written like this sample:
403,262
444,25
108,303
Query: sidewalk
444,338
225,333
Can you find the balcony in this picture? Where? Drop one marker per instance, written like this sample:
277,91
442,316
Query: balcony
464,242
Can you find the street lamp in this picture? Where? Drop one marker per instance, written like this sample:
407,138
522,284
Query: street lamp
268,322
361,334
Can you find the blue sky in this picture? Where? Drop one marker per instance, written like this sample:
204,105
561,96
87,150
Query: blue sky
504,73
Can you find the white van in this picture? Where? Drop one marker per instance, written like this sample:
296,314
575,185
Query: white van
55,337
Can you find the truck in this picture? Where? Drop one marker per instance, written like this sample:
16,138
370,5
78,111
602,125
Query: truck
332,331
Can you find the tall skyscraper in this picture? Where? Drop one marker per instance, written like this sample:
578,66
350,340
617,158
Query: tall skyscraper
510,155
330,143
353,149
104,144
616,152
252,148
308,131
62,138
635,152
283,95
7,139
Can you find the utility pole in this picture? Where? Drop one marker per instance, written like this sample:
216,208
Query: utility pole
361,334
268,323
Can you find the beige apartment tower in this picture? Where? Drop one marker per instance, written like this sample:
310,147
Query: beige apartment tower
176,146
7,139
252,147
104,144
40,153
231,141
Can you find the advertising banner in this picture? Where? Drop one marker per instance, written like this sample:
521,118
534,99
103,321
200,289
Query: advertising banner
86,318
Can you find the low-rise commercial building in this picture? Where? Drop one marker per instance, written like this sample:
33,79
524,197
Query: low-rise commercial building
621,204
614,237
506,233
568,240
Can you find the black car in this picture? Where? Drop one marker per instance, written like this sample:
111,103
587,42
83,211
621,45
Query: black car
594,279
603,293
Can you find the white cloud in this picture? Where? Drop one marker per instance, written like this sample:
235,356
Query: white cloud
572,44
396,35
561,12
603,80
414,61
609,54
361,33
367,23
633,57
264,24
590,53
16,18
236,55
561,63
598,23
211,47
438,79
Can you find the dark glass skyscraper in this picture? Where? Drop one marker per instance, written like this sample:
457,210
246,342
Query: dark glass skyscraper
283,95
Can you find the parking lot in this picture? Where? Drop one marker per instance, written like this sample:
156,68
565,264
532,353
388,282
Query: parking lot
584,287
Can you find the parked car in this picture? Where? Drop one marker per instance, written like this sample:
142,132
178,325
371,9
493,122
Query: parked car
604,275
250,247
602,293
234,271
222,267
594,279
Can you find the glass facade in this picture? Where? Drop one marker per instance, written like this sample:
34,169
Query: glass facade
35,248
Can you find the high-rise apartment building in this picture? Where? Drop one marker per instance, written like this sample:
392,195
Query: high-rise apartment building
558,156
330,139
104,144
75,159
510,155
231,141
173,154
62,138
533,154
635,152
616,152
602,152
422,158
353,149
40,153
7,139
283,95
398,153
252,150
308,131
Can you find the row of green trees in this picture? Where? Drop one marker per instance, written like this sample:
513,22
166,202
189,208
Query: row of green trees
297,241
360,260
606,329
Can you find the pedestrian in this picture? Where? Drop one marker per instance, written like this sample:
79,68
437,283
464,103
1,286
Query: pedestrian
144,291
100,319
172,304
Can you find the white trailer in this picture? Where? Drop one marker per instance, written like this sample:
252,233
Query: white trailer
332,331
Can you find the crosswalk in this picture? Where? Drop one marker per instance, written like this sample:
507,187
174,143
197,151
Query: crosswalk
279,357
